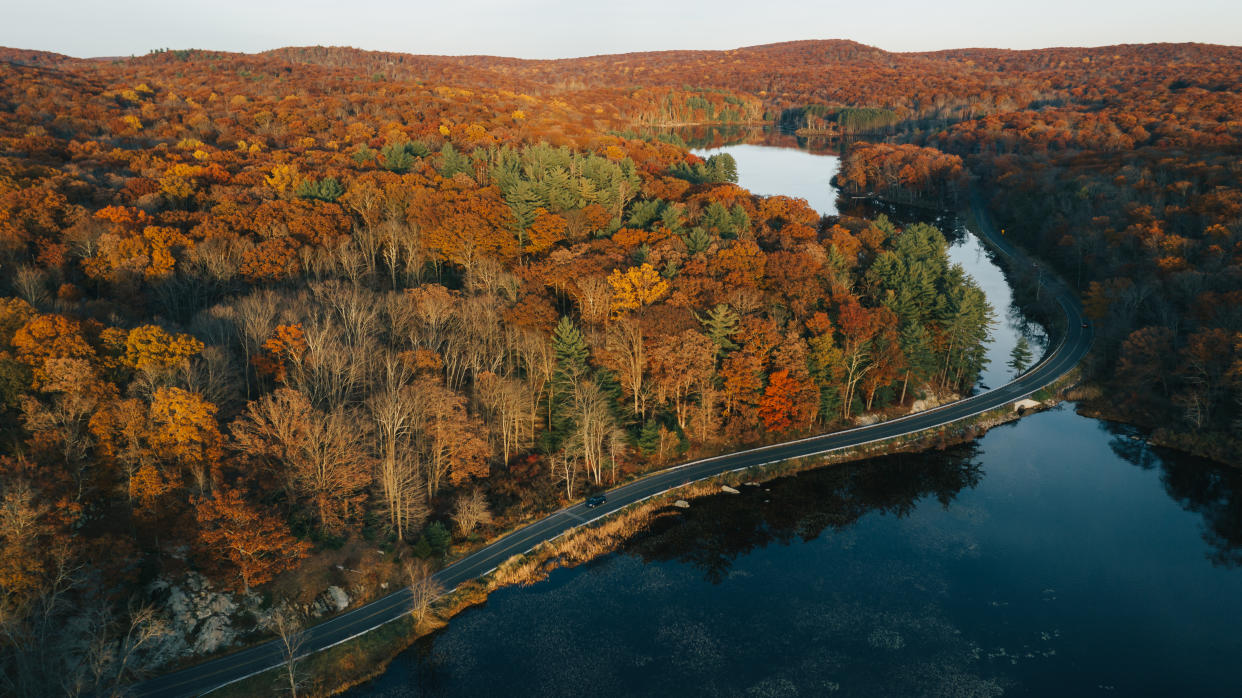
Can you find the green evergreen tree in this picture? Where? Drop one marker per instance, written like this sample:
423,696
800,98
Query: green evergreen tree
671,217
697,240
453,163
720,325
715,218
523,200
728,168
571,350
438,538
326,189
643,213
649,437
1021,356
363,155
397,158
739,221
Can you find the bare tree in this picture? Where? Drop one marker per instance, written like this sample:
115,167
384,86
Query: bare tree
593,422
394,409
333,467
321,456
292,636
424,589
31,284
435,308
566,465
214,376
538,362
330,372
356,309
617,447
505,402
470,511
402,252
594,296
625,352
65,416
146,625
256,319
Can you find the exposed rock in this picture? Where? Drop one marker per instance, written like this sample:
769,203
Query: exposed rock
332,600
730,490
1026,404
200,619
339,597
681,504
866,419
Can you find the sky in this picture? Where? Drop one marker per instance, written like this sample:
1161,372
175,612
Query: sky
567,28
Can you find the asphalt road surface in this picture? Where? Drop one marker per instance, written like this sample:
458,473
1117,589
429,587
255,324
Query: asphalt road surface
210,675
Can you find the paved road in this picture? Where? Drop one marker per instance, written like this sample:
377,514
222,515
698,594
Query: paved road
213,674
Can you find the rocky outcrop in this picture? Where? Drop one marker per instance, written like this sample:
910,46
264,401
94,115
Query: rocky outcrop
200,618
332,600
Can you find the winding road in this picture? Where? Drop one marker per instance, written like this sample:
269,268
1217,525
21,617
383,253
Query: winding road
211,675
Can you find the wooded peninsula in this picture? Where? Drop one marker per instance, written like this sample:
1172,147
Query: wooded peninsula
265,318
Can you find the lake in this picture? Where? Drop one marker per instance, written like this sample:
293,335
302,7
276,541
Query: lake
1058,555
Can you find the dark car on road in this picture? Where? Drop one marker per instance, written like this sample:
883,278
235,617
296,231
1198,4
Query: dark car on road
595,501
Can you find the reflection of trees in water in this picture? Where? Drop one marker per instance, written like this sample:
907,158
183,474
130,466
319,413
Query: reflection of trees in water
1212,491
722,135
717,530
871,208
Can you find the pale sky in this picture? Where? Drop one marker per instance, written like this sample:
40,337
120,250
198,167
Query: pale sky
564,28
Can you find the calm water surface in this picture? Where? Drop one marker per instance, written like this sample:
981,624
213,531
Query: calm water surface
1055,556
798,173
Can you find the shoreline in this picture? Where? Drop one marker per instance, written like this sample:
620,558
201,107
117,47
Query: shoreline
339,669
364,656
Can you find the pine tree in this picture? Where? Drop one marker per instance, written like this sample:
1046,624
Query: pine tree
523,200
397,158
721,324
571,350
1021,356
697,240
453,162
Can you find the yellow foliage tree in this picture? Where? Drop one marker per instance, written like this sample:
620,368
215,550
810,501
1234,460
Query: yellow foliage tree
178,182
47,337
284,178
14,312
636,287
184,430
152,350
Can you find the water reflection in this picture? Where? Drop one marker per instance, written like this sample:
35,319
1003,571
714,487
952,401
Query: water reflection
1064,570
718,530
712,136
1198,486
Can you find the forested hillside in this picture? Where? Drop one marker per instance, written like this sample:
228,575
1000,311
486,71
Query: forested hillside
1120,164
270,323
273,322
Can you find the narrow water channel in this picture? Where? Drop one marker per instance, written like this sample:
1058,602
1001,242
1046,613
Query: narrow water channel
1058,555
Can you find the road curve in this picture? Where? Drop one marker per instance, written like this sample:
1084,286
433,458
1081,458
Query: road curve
208,676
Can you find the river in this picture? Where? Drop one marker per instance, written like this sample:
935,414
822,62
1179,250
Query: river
1055,555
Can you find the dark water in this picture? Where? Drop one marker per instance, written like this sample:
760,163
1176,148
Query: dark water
1055,556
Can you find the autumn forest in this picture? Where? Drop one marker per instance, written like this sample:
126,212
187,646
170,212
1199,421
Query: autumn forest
266,316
